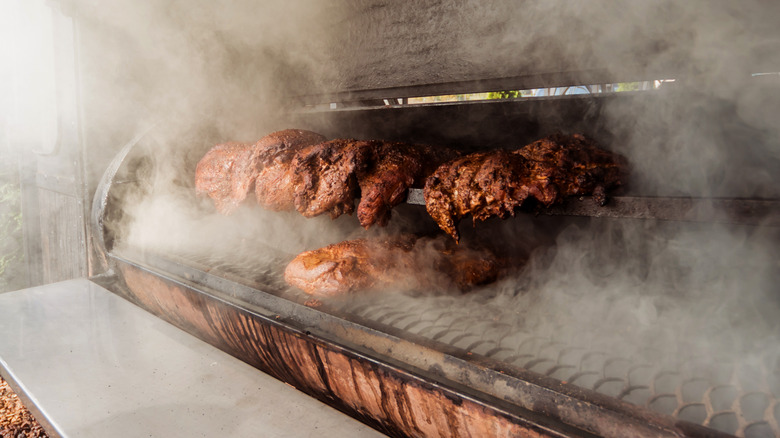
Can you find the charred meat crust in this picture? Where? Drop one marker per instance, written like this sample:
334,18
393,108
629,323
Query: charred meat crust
228,171
393,169
274,188
299,169
330,176
495,183
325,176
575,164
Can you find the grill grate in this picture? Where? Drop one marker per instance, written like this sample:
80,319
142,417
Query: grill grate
734,392
727,394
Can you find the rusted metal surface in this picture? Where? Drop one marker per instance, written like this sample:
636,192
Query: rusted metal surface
393,400
271,333
724,394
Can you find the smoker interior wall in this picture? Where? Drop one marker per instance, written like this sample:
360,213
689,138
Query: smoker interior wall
240,59
331,47
384,44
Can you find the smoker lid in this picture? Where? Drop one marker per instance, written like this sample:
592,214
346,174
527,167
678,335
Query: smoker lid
345,46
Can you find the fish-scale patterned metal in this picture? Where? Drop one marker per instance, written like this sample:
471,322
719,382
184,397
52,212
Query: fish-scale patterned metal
726,393
723,394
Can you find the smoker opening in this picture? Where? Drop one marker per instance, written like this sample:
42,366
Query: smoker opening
652,314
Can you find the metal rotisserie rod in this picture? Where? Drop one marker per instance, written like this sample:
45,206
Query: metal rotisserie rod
719,210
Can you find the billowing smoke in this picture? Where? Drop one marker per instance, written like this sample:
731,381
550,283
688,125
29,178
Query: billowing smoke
649,291
644,288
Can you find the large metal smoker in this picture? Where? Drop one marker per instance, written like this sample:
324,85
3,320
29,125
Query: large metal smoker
681,89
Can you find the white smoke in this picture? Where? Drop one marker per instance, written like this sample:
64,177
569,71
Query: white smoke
651,291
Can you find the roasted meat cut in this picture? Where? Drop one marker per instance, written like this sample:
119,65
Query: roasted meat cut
403,262
274,186
575,165
297,169
495,183
394,168
325,176
484,184
228,171
330,176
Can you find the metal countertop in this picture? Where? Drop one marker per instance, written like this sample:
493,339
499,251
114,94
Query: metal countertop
88,363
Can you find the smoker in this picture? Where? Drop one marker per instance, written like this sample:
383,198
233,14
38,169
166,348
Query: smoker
654,315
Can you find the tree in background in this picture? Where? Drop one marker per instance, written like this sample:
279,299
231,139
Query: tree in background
509,94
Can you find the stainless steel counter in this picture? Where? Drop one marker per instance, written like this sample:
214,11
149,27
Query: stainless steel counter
89,363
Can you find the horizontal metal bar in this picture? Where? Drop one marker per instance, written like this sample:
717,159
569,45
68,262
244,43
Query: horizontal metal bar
541,80
685,209
718,210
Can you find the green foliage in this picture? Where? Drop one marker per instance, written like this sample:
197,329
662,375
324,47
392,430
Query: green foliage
628,86
509,94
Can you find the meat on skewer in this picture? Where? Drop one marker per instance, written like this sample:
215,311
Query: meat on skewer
394,168
495,183
484,184
274,186
329,177
576,165
325,176
228,171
